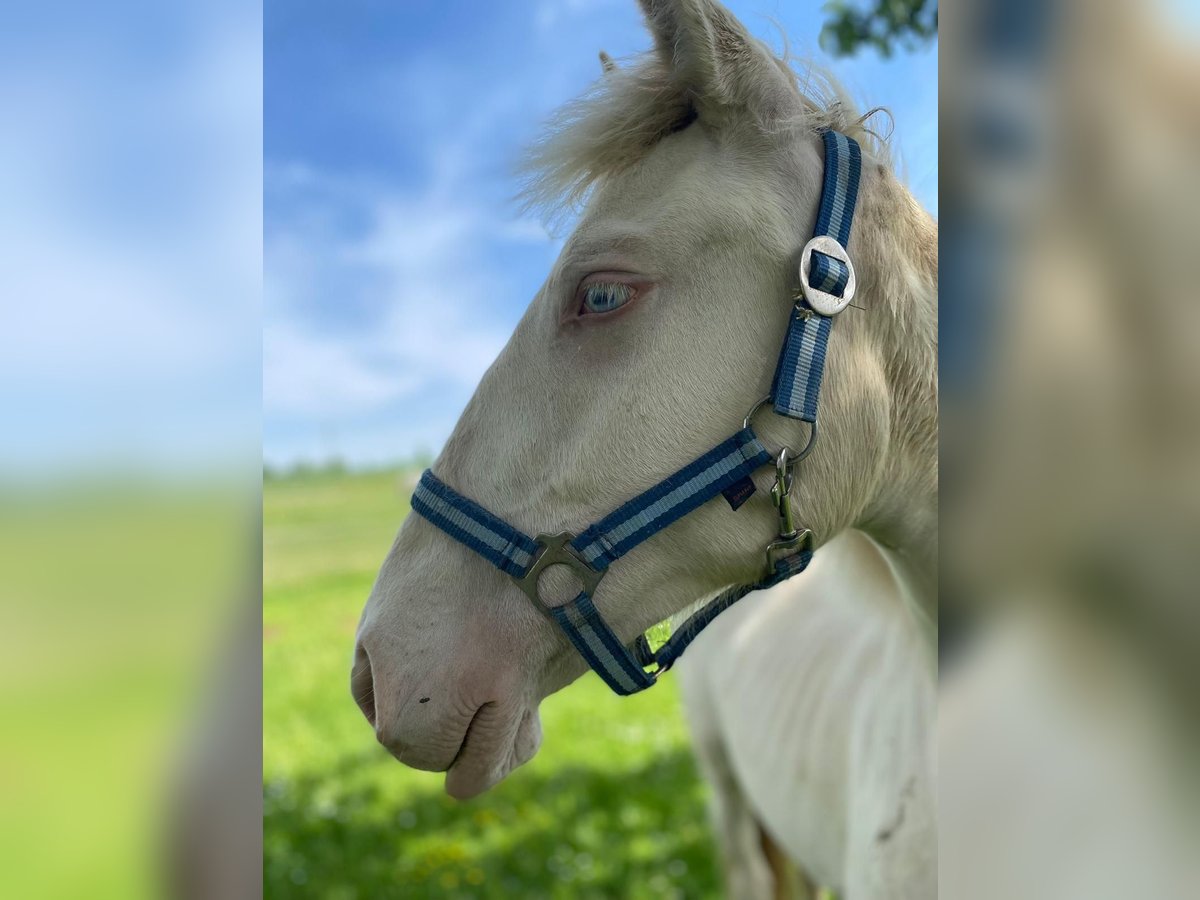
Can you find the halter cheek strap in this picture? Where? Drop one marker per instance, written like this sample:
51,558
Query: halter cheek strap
827,284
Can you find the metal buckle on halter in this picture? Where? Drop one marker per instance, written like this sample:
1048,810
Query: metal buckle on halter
822,302
791,540
557,551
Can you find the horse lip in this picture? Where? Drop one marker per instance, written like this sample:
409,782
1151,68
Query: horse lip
398,748
462,744
479,767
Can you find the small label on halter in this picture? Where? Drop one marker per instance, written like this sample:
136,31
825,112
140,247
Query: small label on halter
739,492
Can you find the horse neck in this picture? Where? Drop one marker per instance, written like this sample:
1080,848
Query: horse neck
911,539
903,513
903,519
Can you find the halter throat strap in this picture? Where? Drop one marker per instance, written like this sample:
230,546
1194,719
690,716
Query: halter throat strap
827,283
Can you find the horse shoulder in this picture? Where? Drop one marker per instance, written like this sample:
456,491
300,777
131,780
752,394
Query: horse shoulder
816,689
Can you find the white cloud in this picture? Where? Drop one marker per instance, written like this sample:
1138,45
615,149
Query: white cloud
422,257
311,377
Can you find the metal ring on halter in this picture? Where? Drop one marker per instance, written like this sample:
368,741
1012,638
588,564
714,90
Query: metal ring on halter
793,458
556,550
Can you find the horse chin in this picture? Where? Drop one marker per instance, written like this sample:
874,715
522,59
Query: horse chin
500,738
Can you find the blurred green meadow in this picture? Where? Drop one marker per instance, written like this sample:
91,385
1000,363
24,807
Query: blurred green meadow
610,807
116,596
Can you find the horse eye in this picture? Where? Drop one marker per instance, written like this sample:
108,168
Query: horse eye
601,297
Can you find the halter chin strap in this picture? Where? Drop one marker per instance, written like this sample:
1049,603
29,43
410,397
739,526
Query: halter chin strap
827,284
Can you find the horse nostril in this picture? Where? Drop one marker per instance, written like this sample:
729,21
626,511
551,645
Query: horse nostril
362,685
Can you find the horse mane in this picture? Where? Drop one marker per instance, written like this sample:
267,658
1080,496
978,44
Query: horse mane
621,117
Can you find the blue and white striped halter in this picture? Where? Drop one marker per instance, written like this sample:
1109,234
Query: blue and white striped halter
827,285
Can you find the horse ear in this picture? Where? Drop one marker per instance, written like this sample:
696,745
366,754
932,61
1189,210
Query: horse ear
716,61
606,63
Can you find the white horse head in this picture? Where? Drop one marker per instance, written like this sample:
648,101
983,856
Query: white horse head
655,332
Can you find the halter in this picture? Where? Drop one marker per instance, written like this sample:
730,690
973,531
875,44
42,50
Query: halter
827,285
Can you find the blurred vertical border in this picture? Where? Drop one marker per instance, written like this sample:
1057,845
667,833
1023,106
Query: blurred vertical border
1070,627
130,372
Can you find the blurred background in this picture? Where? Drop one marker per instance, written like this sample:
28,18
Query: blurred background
130,361
396,264
1070,621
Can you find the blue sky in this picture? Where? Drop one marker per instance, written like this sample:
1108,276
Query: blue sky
395,262
130,225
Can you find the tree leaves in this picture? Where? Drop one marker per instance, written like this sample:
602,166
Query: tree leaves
882,24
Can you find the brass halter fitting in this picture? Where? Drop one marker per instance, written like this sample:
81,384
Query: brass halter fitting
791,540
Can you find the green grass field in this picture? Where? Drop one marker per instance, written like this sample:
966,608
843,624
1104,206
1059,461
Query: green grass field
610,807
115,596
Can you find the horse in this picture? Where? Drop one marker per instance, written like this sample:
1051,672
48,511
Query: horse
699,170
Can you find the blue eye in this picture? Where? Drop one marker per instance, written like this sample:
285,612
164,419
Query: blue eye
602,297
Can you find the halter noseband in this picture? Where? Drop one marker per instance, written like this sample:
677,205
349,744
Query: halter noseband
827,285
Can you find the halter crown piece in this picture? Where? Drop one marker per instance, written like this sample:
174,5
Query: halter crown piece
827,285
